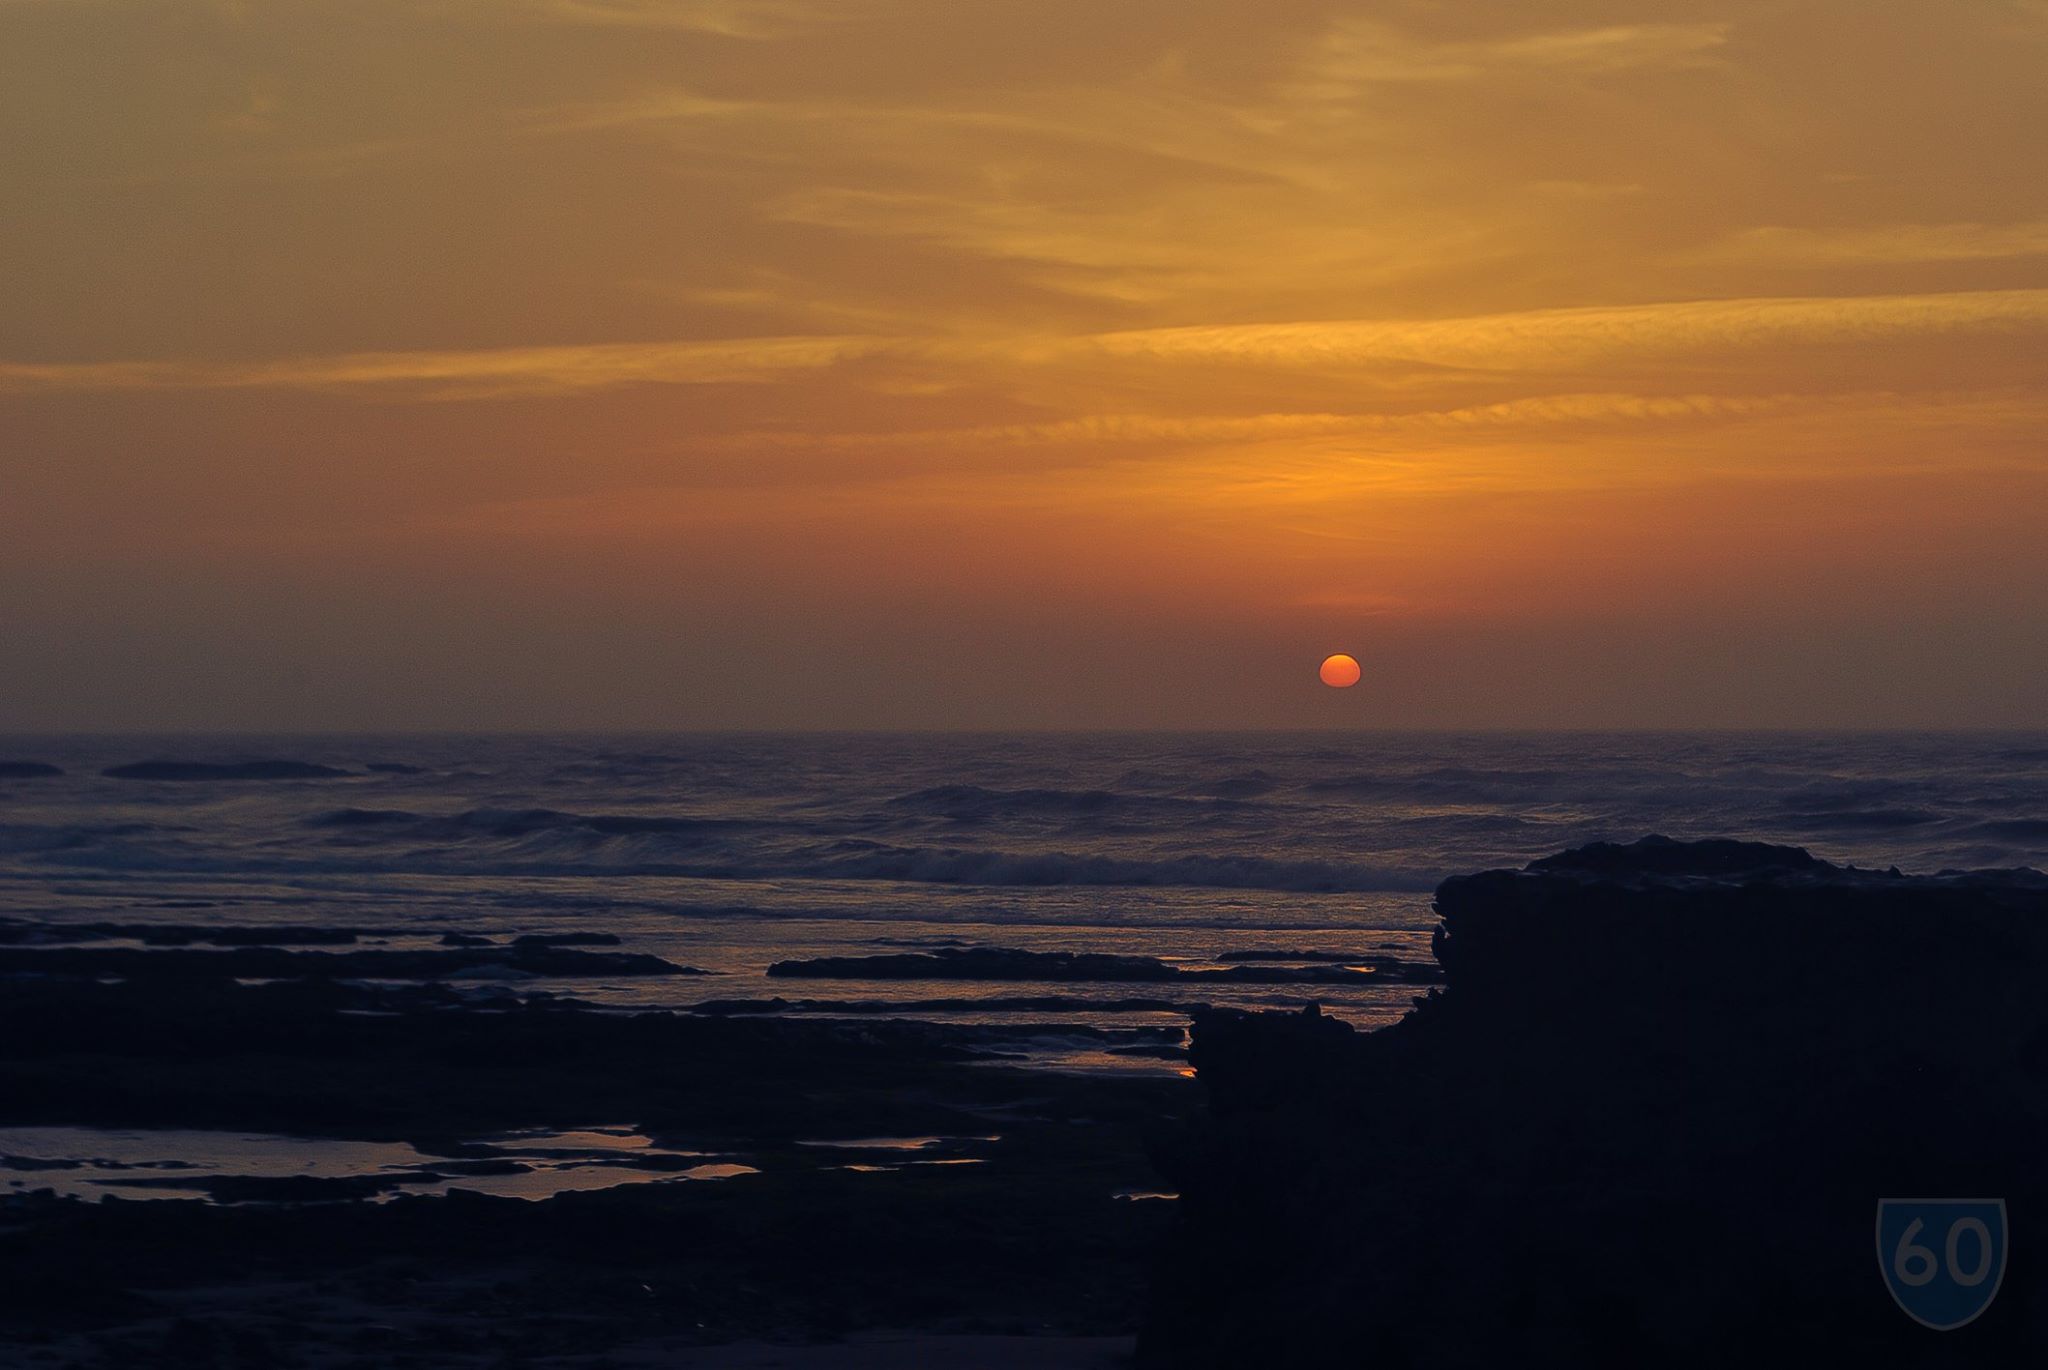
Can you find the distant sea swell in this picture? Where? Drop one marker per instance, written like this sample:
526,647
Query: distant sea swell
1324,814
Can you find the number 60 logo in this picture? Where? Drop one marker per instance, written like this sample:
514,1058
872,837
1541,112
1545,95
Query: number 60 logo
1943,1259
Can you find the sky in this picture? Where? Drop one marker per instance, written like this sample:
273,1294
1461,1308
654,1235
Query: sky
507,364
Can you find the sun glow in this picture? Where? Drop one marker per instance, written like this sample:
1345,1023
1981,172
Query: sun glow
1006,369
1339,671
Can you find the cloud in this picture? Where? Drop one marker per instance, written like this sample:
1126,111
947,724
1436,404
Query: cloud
1882,244
473,374
1550,339
1534,342
1180,431
745,19
1356,52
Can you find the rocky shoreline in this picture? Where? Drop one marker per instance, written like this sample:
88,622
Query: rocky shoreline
763,1179
1646,1121
1642,1117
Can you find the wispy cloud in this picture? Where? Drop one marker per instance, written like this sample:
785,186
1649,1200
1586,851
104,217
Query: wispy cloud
465,375
1356,52
1558,338
1181,431
1881,245
746,19
1535,343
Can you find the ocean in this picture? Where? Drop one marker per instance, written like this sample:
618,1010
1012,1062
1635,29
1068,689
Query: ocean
729,853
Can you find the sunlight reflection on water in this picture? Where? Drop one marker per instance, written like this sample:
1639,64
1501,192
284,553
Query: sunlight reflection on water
178,1163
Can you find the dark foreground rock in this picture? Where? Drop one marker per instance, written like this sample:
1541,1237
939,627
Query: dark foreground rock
28,770
14,931
1647,1121
271,963
236,770
1007,1218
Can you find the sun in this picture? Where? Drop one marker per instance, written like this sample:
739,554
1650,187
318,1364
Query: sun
1340,671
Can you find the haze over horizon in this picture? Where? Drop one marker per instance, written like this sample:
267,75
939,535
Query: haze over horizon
702,364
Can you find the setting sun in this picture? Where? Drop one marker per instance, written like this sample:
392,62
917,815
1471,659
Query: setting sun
1339,671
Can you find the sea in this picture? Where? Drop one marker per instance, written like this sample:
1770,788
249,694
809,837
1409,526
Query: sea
732,853
729,853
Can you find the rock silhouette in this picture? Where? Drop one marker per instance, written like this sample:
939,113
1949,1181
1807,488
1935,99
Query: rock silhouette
272,963
1646,1121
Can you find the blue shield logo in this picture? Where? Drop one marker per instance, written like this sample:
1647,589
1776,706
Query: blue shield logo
1943,1259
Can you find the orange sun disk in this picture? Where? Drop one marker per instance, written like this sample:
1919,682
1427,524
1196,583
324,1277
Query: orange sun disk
1339,672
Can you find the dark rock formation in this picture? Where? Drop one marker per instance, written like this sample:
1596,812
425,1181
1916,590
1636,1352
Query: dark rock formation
237,770
537,941
1647,1121
28,770
1030,1238
1004,963
270,963
14,932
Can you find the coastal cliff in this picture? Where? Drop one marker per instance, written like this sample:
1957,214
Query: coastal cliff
1647,1120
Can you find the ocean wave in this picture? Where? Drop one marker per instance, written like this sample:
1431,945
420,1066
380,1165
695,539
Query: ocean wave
526,847
361,818
1836,820
951,799
2024,754
1027,815
500,823
979,804
1452,783
185,771
1862,792
1248,785
32,839
2012,829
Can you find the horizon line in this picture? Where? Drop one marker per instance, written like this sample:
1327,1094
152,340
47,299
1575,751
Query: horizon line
1646,730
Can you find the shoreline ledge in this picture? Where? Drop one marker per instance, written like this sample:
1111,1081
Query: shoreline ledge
1646,1120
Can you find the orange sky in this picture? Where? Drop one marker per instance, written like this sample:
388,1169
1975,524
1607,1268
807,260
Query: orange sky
876,363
